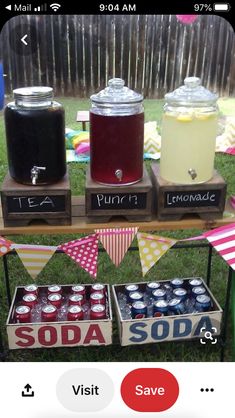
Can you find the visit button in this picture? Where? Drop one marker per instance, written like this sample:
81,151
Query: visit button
149,390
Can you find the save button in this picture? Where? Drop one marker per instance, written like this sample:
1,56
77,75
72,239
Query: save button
149,390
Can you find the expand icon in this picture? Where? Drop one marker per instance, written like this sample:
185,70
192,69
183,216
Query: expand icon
208,335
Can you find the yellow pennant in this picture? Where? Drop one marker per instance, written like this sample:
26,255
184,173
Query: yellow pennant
151,249
34,257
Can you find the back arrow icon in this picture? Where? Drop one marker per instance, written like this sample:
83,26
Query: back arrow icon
23,39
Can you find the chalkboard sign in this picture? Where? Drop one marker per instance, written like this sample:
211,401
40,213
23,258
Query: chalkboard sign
118,201
191,199
34,204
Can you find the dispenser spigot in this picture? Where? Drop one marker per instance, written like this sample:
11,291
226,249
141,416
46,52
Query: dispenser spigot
35,173
119,174
192,172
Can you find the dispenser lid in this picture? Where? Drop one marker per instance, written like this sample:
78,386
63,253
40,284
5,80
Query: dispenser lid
116,93
191,94
33,95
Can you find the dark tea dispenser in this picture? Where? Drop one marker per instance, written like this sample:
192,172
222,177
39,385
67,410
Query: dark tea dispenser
35,133
116,135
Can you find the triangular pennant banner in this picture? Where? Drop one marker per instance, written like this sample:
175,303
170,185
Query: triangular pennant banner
223,240
116,241
84,251
5,246
34,257
152,248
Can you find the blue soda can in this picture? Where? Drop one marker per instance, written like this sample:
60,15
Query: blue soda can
195,282
159,294
180,293
136,297
131,288
198,290
176,307
138,310
203,303
160,308
151,286
175,283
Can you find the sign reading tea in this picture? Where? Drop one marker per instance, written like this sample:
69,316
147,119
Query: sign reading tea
32,204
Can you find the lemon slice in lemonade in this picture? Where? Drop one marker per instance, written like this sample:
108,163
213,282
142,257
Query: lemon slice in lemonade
185,117
204,116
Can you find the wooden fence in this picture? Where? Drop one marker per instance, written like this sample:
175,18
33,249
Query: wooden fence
152,53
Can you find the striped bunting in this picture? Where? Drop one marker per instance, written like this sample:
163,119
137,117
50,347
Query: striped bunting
116,241
34,257
223,240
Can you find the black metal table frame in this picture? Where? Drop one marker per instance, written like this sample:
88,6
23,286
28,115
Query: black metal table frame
223,335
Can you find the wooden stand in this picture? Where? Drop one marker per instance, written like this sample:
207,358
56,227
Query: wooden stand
22,204
133,202
173,201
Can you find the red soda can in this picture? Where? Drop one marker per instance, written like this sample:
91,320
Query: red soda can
32,289
79,289
98,288
49,313
23,314
55,299
75,313
98,311
55,288
97,298
30,300
76,300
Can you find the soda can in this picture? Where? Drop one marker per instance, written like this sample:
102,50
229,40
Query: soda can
160,308
30,300
23,314
79,289
130,288
97,298
198,290
176,307
135,297
54,289
203,303
180,293
76,299
98,288
159,294
195,282
138,310
32,289
55,300
151,286
176,283
75,313
98,311
49,313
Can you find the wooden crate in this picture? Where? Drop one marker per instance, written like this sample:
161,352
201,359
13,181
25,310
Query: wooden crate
58,334
134,202
173,201
167,328
22,204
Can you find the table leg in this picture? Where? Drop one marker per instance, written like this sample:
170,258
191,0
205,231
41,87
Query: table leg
6,277
226,314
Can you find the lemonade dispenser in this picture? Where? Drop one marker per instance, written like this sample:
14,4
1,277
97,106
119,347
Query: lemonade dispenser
189,129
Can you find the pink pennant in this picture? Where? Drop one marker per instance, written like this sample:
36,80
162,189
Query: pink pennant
84,251
116,241
223,240
5,246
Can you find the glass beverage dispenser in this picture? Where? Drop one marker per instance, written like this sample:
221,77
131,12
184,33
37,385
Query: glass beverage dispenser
35,132
116,135
189,128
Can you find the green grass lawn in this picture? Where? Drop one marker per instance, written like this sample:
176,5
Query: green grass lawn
176,263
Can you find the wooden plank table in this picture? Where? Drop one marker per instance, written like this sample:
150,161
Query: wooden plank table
80,224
